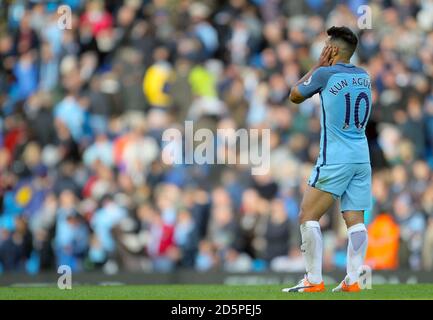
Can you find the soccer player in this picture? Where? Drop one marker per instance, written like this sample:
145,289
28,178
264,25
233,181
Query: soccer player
343,168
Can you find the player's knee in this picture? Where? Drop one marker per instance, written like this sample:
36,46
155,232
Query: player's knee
304,216
353,217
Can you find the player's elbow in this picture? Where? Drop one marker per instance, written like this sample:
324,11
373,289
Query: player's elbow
295,97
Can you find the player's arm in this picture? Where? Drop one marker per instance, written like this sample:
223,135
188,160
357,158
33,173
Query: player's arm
312,82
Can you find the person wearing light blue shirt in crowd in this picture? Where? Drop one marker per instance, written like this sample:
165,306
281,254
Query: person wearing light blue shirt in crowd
104,220
70,112
72,234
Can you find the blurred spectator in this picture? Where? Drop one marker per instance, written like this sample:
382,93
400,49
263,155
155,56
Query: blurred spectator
206,258
16,246
383,247
277,232
186,238
412,225
157,78
104,220
161,247
235,261
222,229
72,236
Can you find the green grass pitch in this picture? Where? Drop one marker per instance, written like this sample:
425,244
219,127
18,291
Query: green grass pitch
210,292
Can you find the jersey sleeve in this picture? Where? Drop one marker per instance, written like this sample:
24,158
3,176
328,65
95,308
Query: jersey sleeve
315,83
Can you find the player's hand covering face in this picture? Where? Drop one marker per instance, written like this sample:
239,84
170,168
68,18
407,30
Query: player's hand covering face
325,58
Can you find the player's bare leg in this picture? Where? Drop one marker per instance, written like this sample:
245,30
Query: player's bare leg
356,249
314,205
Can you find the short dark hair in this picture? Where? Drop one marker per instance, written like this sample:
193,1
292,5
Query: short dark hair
346,35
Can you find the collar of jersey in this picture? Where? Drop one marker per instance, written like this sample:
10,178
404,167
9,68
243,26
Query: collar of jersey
345,64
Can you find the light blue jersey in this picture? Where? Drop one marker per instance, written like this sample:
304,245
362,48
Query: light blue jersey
345,92
343,167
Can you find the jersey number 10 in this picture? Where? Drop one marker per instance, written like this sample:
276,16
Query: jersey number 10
359,98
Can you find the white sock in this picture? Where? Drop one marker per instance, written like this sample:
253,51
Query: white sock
356,250
312,250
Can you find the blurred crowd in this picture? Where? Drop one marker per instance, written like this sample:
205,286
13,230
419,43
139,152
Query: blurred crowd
84,103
